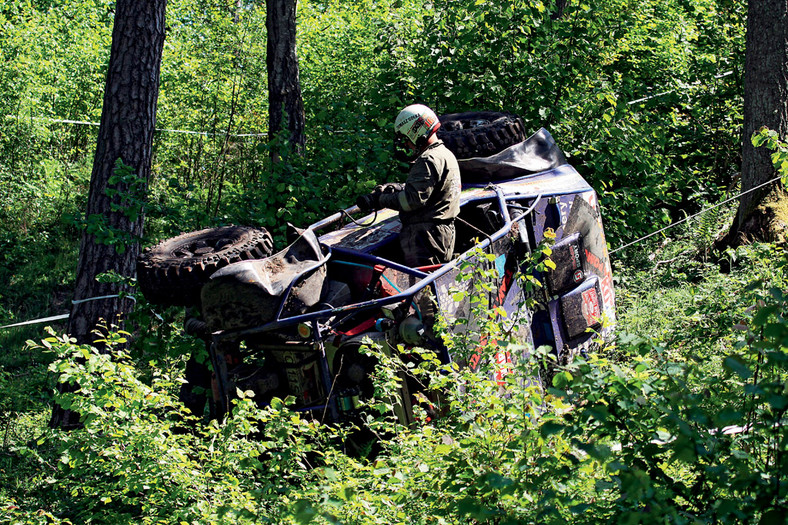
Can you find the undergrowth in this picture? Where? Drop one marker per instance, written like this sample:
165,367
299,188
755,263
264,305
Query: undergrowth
682,422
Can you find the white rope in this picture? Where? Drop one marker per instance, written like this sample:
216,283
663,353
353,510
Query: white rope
65,316
687,86
36,321
79,301
85,123
206,133
636,241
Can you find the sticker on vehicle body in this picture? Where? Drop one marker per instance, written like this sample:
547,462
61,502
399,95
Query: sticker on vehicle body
590,307
500,264
581,308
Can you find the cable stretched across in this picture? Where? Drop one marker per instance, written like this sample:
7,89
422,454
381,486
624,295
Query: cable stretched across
160,130
65,316
701,212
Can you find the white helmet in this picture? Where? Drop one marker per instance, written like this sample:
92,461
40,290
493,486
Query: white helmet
417,123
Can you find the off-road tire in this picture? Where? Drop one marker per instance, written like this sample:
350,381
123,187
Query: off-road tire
173,272
480,133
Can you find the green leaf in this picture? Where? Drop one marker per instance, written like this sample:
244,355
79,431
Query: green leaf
736,365
684,450
562,379
773,517
763,315
728,416
550,428
304,512
347,493
778,402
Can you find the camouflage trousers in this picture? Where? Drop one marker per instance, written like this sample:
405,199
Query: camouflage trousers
427,243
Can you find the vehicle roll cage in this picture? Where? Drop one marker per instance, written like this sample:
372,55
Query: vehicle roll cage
426,279
503,204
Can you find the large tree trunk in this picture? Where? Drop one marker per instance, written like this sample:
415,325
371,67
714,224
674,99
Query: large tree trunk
285,105
765,104
114,215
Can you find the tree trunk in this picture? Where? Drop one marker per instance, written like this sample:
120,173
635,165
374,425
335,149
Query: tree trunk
558,9
285,105
114,217
765,104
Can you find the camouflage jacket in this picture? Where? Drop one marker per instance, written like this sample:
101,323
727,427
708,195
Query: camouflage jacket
432,190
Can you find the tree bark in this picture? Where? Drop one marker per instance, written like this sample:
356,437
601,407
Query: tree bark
765,104
559,8
285,105
114,217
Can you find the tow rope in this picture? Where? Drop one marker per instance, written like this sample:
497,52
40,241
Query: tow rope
636,241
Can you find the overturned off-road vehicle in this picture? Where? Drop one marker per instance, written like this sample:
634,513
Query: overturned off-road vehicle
292,323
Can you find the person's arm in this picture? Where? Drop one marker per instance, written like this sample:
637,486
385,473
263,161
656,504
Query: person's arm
418,189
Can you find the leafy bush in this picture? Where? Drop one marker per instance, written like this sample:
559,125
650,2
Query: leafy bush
636,432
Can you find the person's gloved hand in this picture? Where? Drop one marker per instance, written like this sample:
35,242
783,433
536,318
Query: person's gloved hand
368,202
371,201
390,187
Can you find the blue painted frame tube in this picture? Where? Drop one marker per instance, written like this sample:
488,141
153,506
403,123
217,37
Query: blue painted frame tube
403,296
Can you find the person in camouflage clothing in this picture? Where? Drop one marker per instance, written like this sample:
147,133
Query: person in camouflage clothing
429,200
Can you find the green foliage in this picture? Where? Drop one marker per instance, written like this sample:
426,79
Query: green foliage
127,190
127,193
629,89
139,459
685,427
770,139
579,74
682,422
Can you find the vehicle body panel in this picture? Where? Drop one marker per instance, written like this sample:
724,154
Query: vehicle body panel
313,352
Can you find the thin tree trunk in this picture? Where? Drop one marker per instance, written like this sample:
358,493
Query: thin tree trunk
285,105
559,8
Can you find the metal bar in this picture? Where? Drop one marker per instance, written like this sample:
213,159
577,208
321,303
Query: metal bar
375,260
220,372
405,295
331,219
325,372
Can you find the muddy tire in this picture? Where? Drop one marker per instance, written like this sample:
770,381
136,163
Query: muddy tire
173,272
480,133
